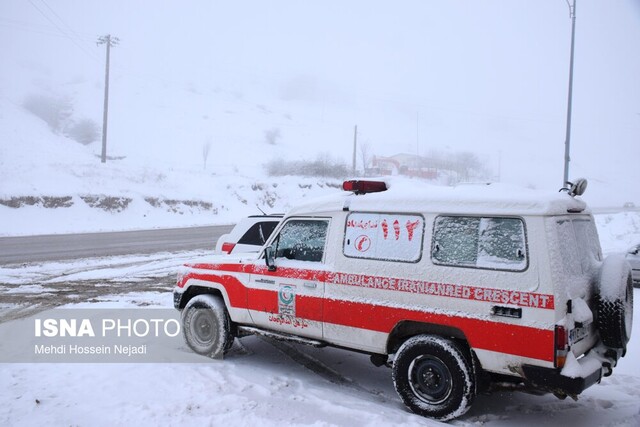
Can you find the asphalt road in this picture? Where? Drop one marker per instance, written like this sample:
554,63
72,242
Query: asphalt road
57,247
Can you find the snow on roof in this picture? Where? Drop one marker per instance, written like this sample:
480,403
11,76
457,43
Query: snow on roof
406,195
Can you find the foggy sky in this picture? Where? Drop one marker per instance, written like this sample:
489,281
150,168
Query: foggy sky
415,76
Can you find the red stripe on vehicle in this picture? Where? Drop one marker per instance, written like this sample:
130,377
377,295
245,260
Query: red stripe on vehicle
422,287
233,268
236,291
481,334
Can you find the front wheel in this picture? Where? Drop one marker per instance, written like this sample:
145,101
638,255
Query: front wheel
206,326
434,377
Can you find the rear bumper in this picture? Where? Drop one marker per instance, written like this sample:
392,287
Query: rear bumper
552,380
585,372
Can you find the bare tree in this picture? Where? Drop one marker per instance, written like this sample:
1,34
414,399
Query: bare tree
323,166
84,131
54,110
365,156
468,165
206,148
272,135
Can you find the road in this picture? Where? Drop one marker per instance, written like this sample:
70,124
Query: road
58,247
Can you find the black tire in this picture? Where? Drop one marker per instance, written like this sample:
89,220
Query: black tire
206,326
434,377
615,302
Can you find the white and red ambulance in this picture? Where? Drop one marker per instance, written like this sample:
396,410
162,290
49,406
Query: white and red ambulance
462,288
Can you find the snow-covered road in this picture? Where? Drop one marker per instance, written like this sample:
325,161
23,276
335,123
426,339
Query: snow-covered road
258,383
262,384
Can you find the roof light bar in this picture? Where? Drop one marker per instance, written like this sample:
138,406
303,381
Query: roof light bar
364,187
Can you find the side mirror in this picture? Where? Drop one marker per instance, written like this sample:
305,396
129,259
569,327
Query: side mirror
634,251
270,257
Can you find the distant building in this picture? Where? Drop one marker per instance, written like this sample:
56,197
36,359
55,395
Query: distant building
403,164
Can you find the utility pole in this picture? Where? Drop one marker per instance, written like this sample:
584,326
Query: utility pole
567,141
109,41
418,133
355,142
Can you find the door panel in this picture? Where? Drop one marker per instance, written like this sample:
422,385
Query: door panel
289,298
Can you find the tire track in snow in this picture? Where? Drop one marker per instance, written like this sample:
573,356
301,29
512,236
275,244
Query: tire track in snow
17,305
319,368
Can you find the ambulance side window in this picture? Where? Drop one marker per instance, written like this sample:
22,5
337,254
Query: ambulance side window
302,240
493,243
384,236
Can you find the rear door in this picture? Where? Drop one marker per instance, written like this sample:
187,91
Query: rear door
290,299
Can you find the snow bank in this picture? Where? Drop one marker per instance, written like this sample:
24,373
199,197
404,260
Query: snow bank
213,200
618,231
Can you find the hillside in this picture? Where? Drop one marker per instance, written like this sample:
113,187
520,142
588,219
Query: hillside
273,84
50,183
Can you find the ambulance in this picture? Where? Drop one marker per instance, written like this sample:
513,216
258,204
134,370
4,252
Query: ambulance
459,290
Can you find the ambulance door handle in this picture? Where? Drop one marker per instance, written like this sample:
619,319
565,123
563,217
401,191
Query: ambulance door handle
311,285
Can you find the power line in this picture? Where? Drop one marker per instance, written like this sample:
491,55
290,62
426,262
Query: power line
63,32
44,32
31,26
71,30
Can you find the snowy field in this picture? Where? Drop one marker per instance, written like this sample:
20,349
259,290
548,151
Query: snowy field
204,95
260,382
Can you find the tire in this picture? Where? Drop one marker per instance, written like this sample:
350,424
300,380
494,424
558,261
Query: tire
206,326
615,302
434,377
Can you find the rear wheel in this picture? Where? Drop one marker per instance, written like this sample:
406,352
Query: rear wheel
434,377
615,302
206,326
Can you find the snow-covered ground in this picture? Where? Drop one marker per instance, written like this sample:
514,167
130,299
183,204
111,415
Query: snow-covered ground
264,384
259,383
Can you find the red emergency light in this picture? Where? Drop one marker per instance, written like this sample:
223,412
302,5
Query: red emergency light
364,187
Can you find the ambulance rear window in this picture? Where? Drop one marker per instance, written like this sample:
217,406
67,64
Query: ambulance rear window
493,243
579,245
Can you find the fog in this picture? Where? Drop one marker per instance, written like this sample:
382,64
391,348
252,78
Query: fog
489,77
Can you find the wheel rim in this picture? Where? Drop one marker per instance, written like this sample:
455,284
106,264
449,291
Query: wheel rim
430,379
203,327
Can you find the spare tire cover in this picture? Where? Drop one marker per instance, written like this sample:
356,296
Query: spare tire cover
615,302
